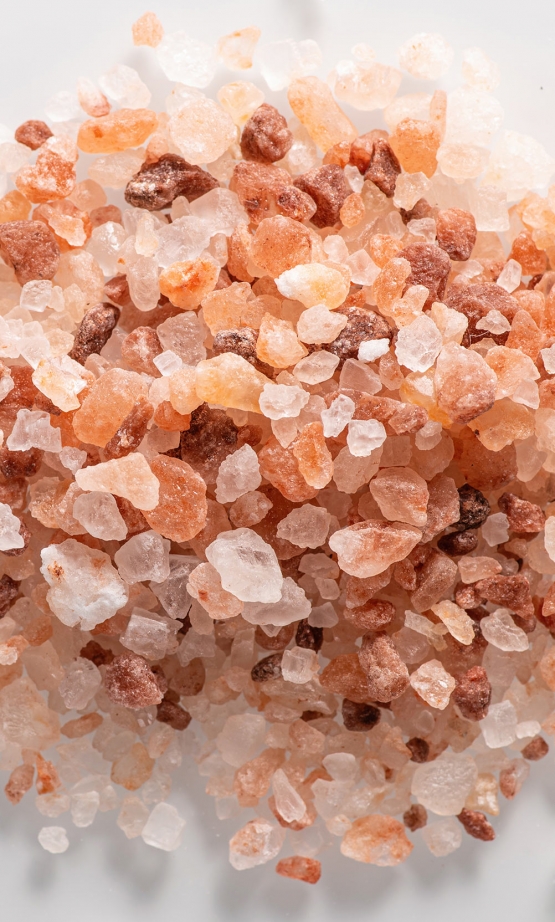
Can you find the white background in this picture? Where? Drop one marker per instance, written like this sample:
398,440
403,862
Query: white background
46,45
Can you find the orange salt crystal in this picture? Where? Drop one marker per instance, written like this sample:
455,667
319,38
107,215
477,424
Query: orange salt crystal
352,210
416,145
230,381
147,30
345,676
505,422
390,283
376,839
281,468
279,244
133,768
181,510
312,102
308,870
238,253
165,417
277,343
205,585
14,207
187,283
232,308
108,402
525,335
52,177
117,131
382,248
313,456
531,258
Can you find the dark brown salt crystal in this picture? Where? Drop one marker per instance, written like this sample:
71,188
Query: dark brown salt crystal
475,301
129,680
535,750
94,331
30,248
476,825
472,694
430,266
361,326
96,653
168,712
308,637
267,668
20,463
419,748
386,673
242,342
382,167
459,542
14,493
23,393
19,782
9,589
189,680
327,187
511,592
211,437
33,133
279,642
359,718
474,508
134,519
523,516
466,596
415,817
131,431
434,579
456,232
158,184
266,137
422,209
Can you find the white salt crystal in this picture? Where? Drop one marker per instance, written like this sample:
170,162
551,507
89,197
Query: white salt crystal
247,565
99,514
358,376
283,62
32,429
144,556
13,156
364,436
129,477
509,278
147,634
9,529
80,685
239,473
364,84
426,56
548,356
323,615
372,349
475,568
433,683
443,785
282,401
132,816
473,116
292,606
429,436
443,837
351,472
36,295
335,248
315,368
319,325
202,131
84,807
495,529
6,385
409,188
54,839
124,86
478,70
499,727
241,738
53,804
338,415
164,828
62,107
494,321
289,804
363,269
418,344
527,729
167,362
186,60
500,630
299,665
518,164
184,335
306,526
488,204
256,843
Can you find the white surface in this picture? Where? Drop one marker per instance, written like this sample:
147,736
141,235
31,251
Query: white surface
46,45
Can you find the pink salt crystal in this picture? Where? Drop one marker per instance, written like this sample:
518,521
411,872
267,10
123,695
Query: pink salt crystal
250,509
314,106
433,683
465,385
129,477
401,494
368,548
475,568
236,49
54,839
247,565
306,526
376,839
256,843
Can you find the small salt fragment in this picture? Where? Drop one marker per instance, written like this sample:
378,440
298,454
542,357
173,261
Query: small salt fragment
314,284
129,477
163,828
443,837
376,839
455,619
80,685
495,529
186,60
443,785
292,606
315,368
236,49
418,344
167,362
337,416
256,843
364,436
289,804
372,349
433,683
144,556
499,727
428,436
509,277
54,839
10,526
124,86
318,325
281,401
494,322
500,630
479,71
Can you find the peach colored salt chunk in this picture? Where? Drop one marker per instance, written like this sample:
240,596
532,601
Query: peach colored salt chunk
230,381
133,768
455,619
308,870
61,380
433,683
313,456
147,30
240,99
129,477
281,468
205,585
401,494
370,547
181,510
312,102
376,839
314,284
109,401
233,308
183,394
504,423
187,283
237,48
464,383
277,343
201,130
116,132
14,207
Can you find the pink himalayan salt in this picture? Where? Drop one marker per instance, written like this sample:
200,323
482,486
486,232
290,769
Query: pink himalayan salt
376,839
368,548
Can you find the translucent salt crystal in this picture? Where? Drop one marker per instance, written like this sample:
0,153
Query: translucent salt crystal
80,685
320,325
499,727
9,529
473,116
54,839
299,665
366,85
364,436
372,349
517,164
283,62
240,99
167,362
289,804
113,171
429,436
409,188
495,529
443,785
455,619
443,837
129,477
418,344
241,738
144,556
433,683
124,86
84,807
548,356
53,805
85,588
359,377
323,615
335,248
462,161
475,568
36,295
488,204
62,107
105,245
500,630
410,105
292,606
6,385
247,565
184,335
146,634
164,828
61,380
256,843
239,473
13,157
510,276
338,415
282,401
350,472
313,284
132,816
202,131
426,56
32,429
186,60
91,100
478,70
527,729
319,565
221,209
306,526
236,50
363,269
99,514
494,321
315,368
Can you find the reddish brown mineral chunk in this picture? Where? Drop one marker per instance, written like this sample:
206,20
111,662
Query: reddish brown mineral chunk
30,248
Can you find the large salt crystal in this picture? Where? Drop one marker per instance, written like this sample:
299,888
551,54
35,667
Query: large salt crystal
292,606
60,379
337,416
256,843
236,50
426,56
495,529
164,828
221,209
282,401
443,785
184,239
241,738
500,630
401,494
409,188
10,525
364,436
247,565
32,429
443,837
473,116
370,547
202,131
147,634
54,839
517,164
144,556
315,368
318,325
499,727
230,381
129,477
99,514
455,619
480,71
289,804
81,683
124,86
299,665
418,344
313,284
433,683
285,61
306,526
186,60
239,473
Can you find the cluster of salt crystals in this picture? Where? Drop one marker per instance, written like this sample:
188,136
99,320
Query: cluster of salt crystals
277,452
